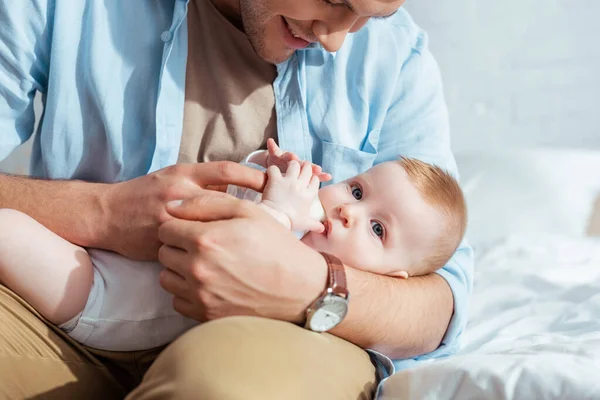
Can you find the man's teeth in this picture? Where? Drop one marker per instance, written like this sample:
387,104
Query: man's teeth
291,30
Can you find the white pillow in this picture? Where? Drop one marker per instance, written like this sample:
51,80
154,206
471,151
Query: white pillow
529,191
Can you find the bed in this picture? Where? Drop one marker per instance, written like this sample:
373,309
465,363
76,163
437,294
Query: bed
534,318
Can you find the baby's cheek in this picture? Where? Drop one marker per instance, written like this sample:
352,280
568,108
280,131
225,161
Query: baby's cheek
357,257
362,256
349,253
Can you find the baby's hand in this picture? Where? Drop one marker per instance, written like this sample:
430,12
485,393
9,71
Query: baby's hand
293,194
281,159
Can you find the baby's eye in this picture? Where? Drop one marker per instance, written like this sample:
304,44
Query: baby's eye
356,192
377,228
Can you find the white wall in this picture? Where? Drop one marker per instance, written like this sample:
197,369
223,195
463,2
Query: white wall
517,72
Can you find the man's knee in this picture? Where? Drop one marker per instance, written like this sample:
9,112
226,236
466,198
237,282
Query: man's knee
38,362
247,358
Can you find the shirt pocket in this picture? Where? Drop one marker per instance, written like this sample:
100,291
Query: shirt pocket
344,162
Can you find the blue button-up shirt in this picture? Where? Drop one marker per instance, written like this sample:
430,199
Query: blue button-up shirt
112,78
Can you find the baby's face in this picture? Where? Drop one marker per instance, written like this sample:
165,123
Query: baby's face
377,221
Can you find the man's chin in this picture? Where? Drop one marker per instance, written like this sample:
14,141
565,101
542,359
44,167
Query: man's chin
275,57
267,41
270,50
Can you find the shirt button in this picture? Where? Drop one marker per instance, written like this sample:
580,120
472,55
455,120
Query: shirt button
165,36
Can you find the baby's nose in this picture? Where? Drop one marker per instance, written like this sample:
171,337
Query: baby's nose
346,215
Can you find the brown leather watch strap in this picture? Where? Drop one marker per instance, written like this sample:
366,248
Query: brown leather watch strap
336,281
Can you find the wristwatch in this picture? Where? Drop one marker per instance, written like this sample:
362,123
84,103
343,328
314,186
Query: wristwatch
330,308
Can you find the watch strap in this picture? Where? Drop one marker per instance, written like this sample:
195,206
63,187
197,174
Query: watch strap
336,280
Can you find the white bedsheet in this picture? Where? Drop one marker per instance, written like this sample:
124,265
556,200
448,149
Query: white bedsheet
534,328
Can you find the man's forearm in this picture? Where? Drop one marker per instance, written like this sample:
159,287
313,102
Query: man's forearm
400,318
72,209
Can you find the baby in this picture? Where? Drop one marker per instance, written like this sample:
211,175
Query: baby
400,218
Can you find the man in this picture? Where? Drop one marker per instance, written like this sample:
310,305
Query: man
132,87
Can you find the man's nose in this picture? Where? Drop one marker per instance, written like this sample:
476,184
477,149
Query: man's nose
332,32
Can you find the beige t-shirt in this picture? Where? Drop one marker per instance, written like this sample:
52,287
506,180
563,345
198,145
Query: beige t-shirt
229,101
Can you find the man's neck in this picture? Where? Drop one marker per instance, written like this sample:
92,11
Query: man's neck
230,9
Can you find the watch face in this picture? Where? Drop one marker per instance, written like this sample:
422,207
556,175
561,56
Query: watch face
329,313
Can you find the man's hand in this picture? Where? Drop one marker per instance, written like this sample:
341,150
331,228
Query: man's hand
228,257
136,208
277,157
293,194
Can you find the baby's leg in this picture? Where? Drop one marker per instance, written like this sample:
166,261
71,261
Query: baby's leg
50,273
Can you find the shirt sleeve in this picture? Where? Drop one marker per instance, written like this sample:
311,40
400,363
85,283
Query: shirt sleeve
416,125
24,56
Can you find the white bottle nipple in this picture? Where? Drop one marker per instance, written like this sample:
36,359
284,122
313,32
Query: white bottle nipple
317,211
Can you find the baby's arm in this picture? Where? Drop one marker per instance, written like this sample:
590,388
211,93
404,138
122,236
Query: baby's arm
50,273
289,197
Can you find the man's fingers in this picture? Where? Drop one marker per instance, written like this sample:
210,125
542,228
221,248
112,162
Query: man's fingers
218,173
173,283
174,259
177,233
206,208
188,309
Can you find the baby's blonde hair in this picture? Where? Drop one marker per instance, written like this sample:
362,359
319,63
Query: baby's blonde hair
439,189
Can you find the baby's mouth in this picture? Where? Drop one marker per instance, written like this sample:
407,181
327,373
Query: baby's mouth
327,225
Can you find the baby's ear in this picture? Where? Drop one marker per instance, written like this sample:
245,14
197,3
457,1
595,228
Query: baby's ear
399,274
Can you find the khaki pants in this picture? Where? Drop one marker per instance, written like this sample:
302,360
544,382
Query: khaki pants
232,358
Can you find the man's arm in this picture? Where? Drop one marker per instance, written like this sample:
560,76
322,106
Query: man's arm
75,210
399,318
123,217
428,313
